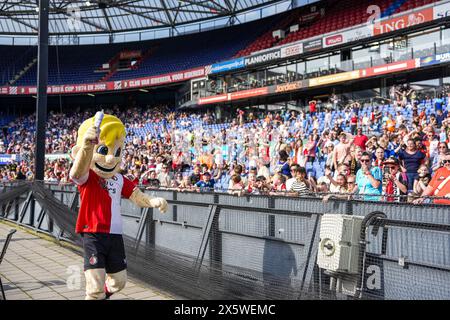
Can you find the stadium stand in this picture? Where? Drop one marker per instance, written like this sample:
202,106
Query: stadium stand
338,15
77,64
73,64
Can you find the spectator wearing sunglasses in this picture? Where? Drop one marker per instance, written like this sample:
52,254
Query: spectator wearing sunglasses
351,183
368,179
395,183
164,177
442,150
439,185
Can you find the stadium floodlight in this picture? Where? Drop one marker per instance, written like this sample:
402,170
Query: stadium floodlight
36,9
88,3
143,90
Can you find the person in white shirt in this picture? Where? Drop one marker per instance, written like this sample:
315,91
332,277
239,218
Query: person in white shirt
342,169
164,177
290,181
327,122
399,119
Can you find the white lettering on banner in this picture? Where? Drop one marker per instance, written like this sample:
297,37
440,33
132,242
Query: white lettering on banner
443,57
334,40
291,50
404,21
357,34
313,44
390,68
263,58
135,83
177,77
158,80
441,11
231,65
194,73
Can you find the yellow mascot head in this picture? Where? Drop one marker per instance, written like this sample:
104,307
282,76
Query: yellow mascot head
109,149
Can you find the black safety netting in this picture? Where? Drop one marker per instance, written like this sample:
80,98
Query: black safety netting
381,251
168,270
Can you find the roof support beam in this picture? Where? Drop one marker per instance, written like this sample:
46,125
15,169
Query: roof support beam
167,12
207,6
108,22
229,5
4,5
144,16
221,6
24,23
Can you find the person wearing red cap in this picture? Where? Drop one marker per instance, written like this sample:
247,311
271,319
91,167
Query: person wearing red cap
395,183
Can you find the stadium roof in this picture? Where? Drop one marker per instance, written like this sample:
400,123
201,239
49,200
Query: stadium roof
20,17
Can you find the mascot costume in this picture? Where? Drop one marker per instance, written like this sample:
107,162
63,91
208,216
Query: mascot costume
97,158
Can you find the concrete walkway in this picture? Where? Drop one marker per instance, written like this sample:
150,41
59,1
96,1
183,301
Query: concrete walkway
35,268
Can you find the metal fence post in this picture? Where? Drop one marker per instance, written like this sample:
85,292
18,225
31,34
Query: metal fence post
175,207
271,218
349,207
16,209
32,210
25,207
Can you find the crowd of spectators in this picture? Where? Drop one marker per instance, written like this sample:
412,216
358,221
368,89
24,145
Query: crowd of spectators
370,156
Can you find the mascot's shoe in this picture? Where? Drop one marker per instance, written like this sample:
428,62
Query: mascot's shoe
107,293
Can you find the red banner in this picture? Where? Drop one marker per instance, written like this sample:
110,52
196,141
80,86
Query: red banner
213,99
130,54
249,93
389,68
405,21
235,95
110,85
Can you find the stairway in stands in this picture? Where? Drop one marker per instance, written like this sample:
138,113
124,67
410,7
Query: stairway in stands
117,64
22,72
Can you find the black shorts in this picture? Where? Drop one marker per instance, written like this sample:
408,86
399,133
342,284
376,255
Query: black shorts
104,251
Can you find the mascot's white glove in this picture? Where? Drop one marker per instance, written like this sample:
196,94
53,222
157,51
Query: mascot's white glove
146,201
91,136
159,203
83,155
